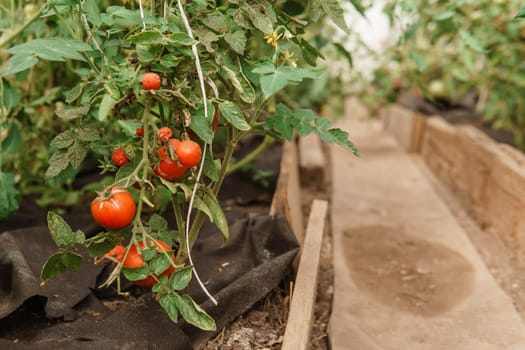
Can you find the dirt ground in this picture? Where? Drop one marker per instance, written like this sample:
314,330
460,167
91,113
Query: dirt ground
263,326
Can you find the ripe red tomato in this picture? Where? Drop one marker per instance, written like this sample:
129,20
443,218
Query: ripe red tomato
117,252
135,260
170,169
139,132
115,211
119,157
163,152
151,81
189,153
164,133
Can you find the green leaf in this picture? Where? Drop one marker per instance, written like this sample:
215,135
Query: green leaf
62,233
217,21
101,244
236,40
54,49
88,134
233,114
206,37
8,195
238,79
418,59
521,13
202,125
157,223
283,122
168,302
136,274
217,215
77,153
106,105
57,163
13,141
273,81
10,98
59,263
260,17
335,12
92,12
180,279
180,38
159,264
129,126
63,140
72,113
211,170
472,41
194,314
19,63
150,37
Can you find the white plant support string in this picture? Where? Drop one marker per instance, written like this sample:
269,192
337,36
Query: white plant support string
201,165
142,15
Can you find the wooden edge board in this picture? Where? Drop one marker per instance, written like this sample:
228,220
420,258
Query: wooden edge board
298,328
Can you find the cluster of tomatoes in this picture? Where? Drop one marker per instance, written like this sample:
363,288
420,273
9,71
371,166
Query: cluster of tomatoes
117,209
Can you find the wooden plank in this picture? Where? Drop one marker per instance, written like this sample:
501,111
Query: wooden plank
287,197
418,128
297,333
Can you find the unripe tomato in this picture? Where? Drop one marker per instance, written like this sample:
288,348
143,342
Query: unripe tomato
170,169
188,153
151,81
119,157
164,133
116,211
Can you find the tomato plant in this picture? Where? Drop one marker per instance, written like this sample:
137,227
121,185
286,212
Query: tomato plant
220,61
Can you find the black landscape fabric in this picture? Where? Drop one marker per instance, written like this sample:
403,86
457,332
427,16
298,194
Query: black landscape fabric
69,313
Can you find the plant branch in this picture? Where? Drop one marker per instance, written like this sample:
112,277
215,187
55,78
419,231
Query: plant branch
267,141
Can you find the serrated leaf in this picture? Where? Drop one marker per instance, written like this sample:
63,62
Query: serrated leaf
169,303
8,195
56,48
62,233
283,122
281,77
334,10
260,18
157,223
159,264
201,126
238,79
180,38
58,162
92,12
211,170
236,40
180,279
136,274
77,153
206,38
72,113
88,134
103,244
233,114
59,263
63,140
194,314
217,21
